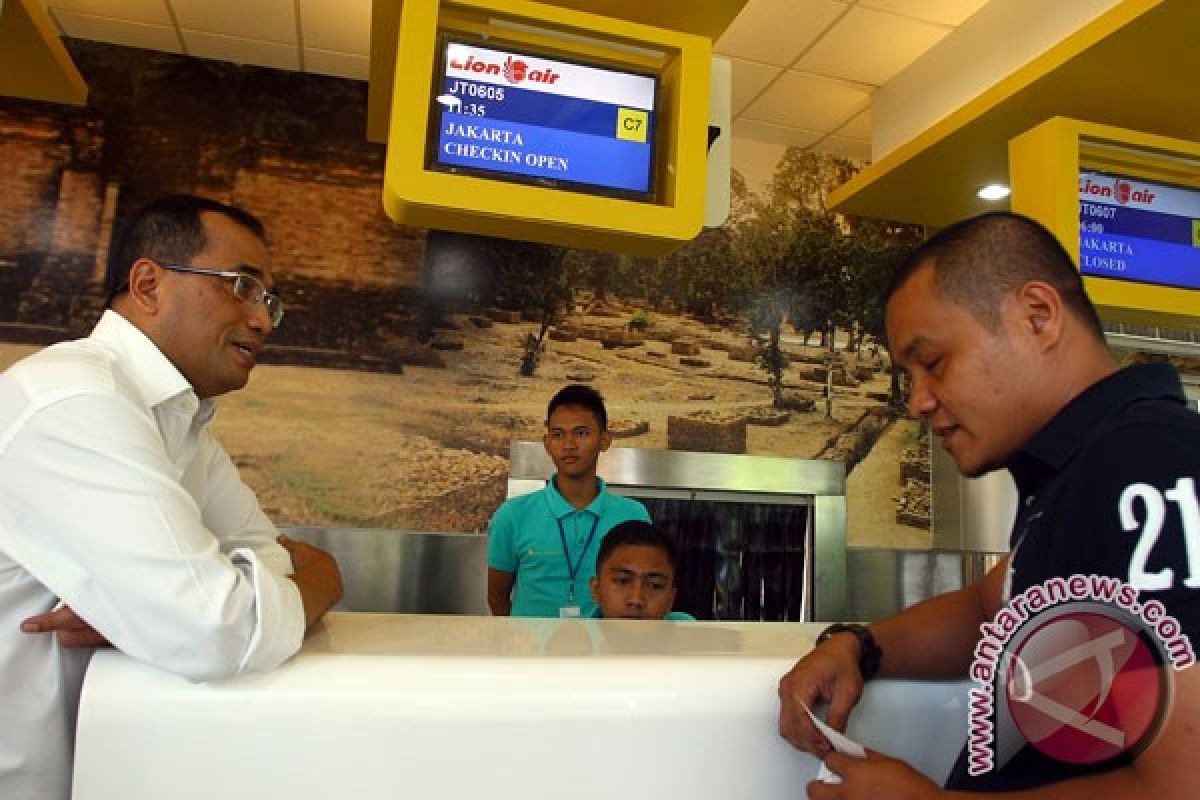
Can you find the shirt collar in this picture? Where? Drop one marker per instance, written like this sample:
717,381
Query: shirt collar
156,378
1066,433
559,506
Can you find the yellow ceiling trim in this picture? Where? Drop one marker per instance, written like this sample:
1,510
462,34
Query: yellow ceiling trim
33,62
708,18
876,190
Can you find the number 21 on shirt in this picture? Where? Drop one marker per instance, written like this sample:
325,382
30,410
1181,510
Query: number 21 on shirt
1155,507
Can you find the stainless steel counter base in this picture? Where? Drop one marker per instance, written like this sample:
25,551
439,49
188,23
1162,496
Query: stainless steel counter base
445,573
759,537
882,581
411,572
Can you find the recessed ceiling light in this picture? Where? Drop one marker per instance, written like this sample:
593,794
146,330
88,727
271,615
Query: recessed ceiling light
993,191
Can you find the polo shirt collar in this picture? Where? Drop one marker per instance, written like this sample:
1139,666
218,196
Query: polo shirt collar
157,380
559,506
1062,437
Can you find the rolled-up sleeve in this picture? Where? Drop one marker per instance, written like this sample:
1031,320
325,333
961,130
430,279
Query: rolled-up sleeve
278,629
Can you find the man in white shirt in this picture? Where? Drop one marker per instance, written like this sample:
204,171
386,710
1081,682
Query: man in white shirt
122,520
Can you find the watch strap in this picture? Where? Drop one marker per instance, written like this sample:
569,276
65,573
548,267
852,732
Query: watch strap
870,654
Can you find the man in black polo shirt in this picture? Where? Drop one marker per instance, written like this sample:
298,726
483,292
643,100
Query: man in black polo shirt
1080,639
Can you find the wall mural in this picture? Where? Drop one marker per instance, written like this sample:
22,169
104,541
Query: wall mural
409,360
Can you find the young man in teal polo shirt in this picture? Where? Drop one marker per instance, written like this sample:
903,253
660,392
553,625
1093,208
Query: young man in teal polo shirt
542,546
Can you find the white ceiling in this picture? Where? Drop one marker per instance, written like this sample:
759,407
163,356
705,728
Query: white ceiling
804,71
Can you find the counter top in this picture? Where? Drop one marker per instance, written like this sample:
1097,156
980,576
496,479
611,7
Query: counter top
509,637
379,705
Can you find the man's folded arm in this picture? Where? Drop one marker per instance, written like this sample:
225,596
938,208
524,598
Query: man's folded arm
232,512
95,512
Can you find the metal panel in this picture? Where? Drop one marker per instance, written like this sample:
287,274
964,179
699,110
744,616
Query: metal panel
445,573
974,514
633,466
405,572
829,559
748,573
881,582
442,573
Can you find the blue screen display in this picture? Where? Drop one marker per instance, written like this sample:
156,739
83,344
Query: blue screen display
545,121
1136,230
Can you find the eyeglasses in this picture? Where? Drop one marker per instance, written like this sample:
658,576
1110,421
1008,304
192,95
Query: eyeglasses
246,287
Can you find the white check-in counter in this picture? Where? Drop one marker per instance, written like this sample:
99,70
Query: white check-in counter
422,707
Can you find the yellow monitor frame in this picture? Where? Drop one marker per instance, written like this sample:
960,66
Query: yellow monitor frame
414,194
1044,168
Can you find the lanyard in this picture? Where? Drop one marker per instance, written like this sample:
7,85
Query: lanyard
573,568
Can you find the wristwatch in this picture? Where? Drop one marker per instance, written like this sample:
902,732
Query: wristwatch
870,654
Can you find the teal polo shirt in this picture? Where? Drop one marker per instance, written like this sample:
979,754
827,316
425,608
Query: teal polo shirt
524,538
674,616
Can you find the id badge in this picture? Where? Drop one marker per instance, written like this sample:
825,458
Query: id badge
568,611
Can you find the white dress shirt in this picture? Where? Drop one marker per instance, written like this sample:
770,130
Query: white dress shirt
116,500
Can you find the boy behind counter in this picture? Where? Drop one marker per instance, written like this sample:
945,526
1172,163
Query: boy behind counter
542,546
635,574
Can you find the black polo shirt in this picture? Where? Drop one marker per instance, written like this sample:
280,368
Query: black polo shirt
1107,487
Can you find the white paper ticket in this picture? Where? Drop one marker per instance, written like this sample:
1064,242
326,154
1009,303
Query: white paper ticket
839,742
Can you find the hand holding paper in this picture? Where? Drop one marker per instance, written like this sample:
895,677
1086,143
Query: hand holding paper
839,742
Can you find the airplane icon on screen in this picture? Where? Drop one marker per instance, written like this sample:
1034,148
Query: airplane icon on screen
452,103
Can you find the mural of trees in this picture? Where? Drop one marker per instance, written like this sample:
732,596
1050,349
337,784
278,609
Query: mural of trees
788,259
781,258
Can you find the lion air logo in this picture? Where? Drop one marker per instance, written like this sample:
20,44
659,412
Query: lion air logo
514,70
1119,191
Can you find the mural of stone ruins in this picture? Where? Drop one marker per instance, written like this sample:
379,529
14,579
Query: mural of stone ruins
409,360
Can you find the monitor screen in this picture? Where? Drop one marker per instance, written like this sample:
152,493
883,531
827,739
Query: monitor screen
514,116
1138,230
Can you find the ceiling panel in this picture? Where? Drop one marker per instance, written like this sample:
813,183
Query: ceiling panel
342,26
870,46
774,134
153,12
857,128
270,20
808,101
803,70
749,79
115,31
941,12
241,51
847,147
340,65
776,31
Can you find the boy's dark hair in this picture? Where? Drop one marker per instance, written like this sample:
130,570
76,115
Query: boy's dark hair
582,396
637,533
979,260
169,231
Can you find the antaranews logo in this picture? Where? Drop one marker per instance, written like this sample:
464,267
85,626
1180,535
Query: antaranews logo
1076,667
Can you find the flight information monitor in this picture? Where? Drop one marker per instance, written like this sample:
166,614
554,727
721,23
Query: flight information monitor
515,116
1137,230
